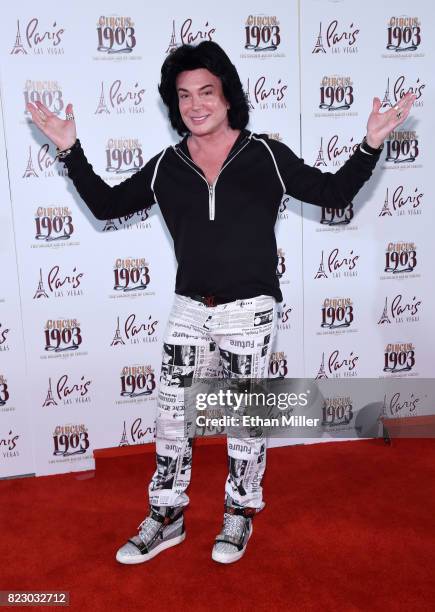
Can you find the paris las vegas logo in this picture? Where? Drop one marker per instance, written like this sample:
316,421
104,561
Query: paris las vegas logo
137,433
337,315
284,312
65,391
399,309
38,38
9,444
401,404
337,411
337,264
136,220
338,364
70,439
400,86
402,149
189,31
123,156
400,260
4,391
54,227
117,96
58,283
116,38
4,337
45,91
278,367
131,329
42,163
266,93
262,37
399,359
336,96
401,200
137,381
281,268
62,338
336,37
131,275
403,37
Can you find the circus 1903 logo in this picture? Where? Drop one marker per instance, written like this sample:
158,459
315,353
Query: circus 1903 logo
337,264
264,93
400,258
116,37
337,313
62,335
9,444
336,38
338,365
401,86
45,91
400,310
53,224
263,37
65,391
123,155
402,147
337,94
33,37
399,357
281,267
337,411
120,98
278,367
43,164
58,284
400,201
284,312
131,330
188,32
136,220
137,381
70,440
4,391
403,36
131,274
4,333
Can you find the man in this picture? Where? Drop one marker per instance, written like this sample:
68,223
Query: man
219,190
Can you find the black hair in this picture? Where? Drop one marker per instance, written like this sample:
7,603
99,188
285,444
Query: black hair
211,56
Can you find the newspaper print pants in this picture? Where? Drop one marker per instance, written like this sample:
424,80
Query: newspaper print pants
229,340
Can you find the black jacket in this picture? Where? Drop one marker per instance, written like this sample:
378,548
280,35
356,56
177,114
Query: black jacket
223,233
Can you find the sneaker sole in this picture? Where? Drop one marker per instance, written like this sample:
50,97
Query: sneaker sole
134,560
231,557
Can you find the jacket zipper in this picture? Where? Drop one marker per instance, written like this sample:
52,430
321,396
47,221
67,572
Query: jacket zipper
212,186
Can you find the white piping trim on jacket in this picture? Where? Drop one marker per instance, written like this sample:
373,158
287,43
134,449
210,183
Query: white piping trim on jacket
155,174
274,161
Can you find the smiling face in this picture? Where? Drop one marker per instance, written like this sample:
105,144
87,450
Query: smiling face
201,101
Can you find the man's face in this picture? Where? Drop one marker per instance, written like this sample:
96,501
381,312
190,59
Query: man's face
201,101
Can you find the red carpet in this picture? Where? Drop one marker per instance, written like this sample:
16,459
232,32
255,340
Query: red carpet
348,526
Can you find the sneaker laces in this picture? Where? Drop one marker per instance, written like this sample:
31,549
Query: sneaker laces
234,525
148,529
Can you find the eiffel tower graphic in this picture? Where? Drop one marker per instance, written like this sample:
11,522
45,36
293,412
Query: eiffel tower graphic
110,226
248,97
385,209
30,170
49,400
321,373
117,337
40,291
124,441
321,271
318,47
102,106
386,101
18,46
173,42
320,160
384,316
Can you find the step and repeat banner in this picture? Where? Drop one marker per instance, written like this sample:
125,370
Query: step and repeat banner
84,303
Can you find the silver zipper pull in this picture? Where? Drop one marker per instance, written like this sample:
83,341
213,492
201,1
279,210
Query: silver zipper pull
211,202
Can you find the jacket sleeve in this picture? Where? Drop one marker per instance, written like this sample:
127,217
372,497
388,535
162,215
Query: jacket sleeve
309,184
105,201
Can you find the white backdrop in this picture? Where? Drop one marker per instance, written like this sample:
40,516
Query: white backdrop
72,347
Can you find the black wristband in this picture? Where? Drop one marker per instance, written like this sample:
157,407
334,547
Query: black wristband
364,146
